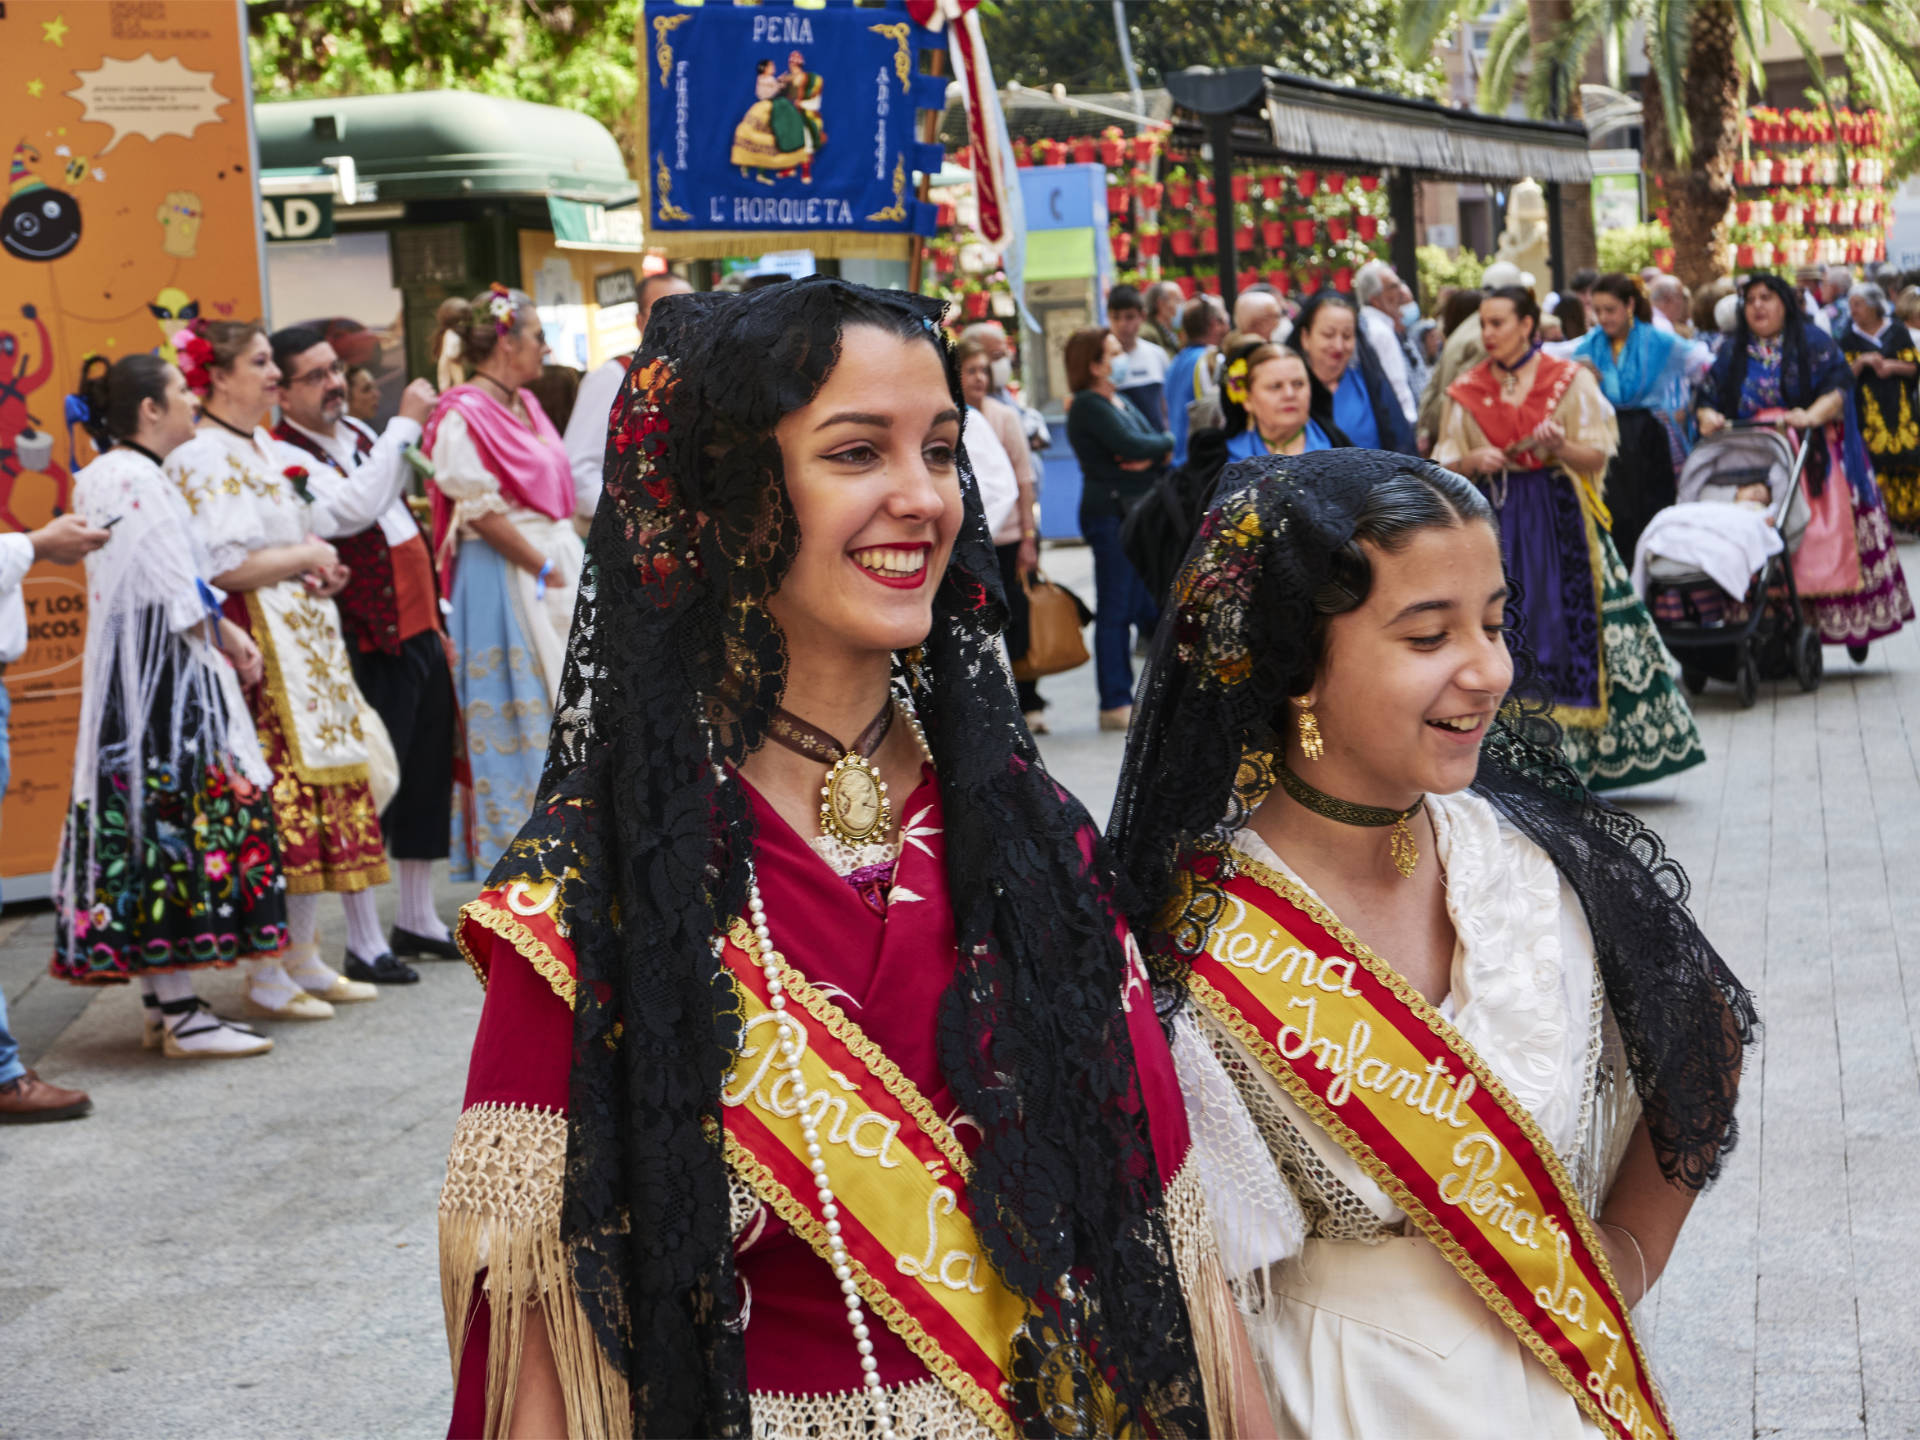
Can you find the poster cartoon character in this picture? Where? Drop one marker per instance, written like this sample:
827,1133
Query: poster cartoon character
782,130
23,446
38,222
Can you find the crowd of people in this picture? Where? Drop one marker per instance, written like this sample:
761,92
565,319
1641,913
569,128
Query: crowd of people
291,686
803,1104
1576,417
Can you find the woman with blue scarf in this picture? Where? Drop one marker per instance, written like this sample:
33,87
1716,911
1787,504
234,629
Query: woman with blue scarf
1642,373
1353,404
1777,368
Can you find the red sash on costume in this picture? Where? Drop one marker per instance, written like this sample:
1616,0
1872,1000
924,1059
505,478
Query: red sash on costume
1407,1097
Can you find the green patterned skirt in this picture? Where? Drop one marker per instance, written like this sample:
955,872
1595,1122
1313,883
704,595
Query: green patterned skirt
1649,731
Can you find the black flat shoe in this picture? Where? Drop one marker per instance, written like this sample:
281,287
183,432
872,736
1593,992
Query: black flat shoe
382,970
405,942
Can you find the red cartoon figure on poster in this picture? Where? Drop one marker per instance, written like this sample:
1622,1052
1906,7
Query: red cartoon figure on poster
24,446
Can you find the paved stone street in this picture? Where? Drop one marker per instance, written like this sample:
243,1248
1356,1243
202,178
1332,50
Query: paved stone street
248,1249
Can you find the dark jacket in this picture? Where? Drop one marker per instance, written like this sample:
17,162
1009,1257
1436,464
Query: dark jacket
1103,433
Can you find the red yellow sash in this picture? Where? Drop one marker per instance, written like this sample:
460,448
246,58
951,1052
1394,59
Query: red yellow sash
896,1169
1365,1055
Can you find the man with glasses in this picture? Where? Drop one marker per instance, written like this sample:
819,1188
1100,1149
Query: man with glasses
390,616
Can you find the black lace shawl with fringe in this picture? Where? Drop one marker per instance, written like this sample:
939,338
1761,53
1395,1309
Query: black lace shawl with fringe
673,669
1199,760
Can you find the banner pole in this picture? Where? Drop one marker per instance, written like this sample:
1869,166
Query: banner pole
929,134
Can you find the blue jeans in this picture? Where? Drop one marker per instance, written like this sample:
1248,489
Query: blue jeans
10,1067
1121,602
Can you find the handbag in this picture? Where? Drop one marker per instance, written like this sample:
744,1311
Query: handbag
1055,619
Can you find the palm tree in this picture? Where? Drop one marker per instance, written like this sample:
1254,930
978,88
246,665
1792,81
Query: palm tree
1702,55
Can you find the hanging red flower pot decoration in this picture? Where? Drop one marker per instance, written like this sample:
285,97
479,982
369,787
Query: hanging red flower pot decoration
1303,233
1142,149
1369,226
1150,244
1243,237
1206,190
1147,192
1188,286
1336,227
1085,150
1273,233
1242,187
1343,279
1183,243
1306,182
1336,182
1369,183
1180,193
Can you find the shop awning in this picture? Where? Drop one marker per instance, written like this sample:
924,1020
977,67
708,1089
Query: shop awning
449,144
1294,117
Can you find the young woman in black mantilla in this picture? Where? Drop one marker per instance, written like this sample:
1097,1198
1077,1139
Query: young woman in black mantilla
818,1089
1491,1055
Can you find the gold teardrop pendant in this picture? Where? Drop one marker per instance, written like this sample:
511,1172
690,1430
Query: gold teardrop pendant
1401,848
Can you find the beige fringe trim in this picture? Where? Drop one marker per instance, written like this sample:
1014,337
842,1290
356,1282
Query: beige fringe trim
1210,1303
500,1213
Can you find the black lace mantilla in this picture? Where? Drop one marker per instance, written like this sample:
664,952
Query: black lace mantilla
674,668
1199,762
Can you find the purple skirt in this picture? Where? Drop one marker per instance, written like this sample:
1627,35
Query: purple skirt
1543,541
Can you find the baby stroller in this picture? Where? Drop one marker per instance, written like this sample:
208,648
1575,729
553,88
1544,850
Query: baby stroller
1763,632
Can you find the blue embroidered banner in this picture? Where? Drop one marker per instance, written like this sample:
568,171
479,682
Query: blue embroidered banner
783,118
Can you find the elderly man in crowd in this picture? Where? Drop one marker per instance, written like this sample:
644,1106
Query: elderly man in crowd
1383,298
1673,303
1258,312
1163,315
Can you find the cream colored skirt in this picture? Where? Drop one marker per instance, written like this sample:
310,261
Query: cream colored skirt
1387,1342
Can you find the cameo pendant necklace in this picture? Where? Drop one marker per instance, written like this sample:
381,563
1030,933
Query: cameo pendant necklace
854,808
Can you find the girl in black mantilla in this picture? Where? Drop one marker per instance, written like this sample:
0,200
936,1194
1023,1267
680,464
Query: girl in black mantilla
1881,353
1502,997
169,862
669,1208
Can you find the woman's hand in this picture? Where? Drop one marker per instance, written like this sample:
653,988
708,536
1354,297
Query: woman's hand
317,554
1028,559
240,650
1796,419
327,581
1710,420
1486,460
1136,464
1549,435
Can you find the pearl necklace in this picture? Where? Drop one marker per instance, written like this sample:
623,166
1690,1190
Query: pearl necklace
787,1049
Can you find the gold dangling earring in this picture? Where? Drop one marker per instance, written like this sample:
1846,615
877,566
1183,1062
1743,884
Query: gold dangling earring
1311,744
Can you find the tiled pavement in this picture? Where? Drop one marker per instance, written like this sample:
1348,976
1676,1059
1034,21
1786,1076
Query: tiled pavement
248,1249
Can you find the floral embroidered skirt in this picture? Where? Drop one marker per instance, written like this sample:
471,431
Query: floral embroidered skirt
201,886
1649,730
329,834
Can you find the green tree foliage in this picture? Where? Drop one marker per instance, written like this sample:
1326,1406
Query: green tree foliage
1072,42
578,54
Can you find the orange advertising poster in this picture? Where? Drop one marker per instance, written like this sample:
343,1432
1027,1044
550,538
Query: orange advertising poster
130,206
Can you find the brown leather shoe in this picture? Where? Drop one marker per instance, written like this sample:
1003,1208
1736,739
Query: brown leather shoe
30,1100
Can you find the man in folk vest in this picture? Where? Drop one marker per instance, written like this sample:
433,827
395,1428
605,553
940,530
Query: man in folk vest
390,616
